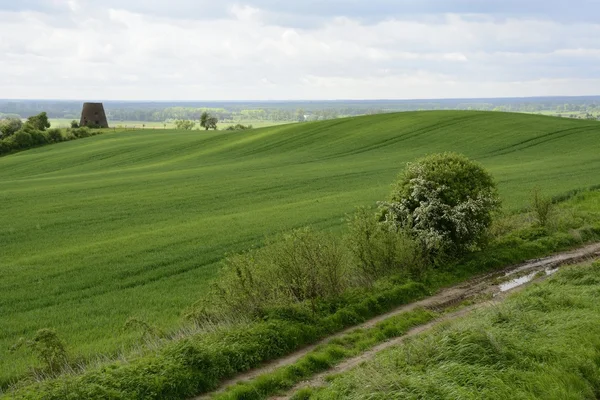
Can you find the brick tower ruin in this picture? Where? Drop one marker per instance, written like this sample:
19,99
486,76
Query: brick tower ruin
93,115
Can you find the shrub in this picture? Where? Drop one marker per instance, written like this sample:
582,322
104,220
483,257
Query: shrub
381,248
82,132
310,265
9,126
302,267
74,124
39,137
238,127
54,135
541,206
22,139
6,146
48,347
446,201
186,125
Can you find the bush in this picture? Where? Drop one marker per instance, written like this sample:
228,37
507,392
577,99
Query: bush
447,201
302,267
82,132
49,349
74,124
10,126
185,125
39,137
238,127
54,135
541,206
22,139
381,248
6,146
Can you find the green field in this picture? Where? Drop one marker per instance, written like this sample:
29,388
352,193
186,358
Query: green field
133,223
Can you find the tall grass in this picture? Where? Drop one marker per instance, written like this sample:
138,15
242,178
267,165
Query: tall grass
540,344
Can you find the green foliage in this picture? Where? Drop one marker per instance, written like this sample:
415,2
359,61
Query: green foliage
381,249
48,348
541,206
22,139
326,356
83,132
39,122
194,365
74,124
54,135
447,201
208,121
542,343
9,126
301,267
30,135
238,127
185,125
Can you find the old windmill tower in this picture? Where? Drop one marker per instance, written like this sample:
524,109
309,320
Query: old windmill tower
93,115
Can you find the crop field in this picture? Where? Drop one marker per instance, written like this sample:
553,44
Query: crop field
134,223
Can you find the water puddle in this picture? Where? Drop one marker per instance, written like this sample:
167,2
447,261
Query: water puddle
515,283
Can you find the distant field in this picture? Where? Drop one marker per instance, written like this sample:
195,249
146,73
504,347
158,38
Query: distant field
66,123
133,223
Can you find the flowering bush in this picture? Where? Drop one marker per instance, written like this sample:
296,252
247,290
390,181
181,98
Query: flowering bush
446,201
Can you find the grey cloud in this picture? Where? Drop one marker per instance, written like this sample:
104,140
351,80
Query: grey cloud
311,12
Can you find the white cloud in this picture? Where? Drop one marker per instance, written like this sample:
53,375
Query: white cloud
84,50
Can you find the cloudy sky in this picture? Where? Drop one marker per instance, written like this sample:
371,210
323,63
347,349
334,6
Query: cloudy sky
309,49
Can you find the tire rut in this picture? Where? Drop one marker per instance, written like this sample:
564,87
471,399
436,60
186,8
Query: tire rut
479,286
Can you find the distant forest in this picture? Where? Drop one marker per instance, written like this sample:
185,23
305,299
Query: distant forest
234,111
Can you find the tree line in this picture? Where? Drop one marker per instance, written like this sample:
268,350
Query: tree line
16,135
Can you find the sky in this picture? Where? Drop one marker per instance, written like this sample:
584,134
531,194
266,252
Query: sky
298,50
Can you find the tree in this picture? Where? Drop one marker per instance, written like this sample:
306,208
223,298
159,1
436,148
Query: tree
446,201
74,124
207,121
9,126
39,122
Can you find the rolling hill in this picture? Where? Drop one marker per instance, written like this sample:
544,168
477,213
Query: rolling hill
133,224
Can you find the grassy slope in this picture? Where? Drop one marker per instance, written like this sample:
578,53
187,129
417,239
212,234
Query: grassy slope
132,223
541,344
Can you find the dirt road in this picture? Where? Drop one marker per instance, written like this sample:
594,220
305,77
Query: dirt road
493,284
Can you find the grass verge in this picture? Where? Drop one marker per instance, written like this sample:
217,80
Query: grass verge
543,343
326,356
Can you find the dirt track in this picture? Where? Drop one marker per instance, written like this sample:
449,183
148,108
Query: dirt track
483,285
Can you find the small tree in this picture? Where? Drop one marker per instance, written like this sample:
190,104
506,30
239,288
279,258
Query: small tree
207,121
39,122
74,124
446,201
9,127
